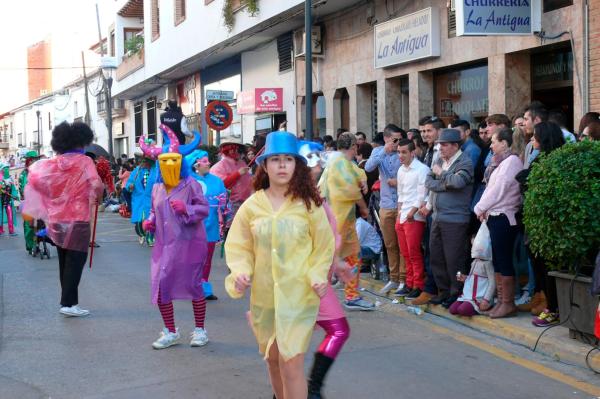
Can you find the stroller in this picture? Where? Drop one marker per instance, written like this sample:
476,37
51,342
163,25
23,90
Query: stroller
41,240
378,265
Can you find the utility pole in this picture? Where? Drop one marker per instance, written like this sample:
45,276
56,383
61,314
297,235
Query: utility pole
107,91
308,66
85,87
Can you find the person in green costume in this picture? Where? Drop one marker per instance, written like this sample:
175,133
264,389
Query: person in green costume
28,231
8,194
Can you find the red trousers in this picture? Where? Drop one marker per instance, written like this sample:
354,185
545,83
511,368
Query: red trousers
410,235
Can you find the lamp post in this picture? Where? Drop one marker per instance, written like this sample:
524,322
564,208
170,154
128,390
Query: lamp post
39,133
108,84
308,66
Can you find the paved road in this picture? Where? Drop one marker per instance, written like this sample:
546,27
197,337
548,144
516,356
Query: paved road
108,355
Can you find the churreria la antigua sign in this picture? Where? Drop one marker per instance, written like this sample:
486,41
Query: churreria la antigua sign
498,17
411,37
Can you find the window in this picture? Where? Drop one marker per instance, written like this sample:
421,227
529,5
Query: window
151,117
179,11
20,139
49,122
285,45
550,5
112,43
452,19
128,34
101,102
11,130
75,110
138,120
155,19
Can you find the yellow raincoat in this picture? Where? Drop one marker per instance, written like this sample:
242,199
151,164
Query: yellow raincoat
340,185
284,253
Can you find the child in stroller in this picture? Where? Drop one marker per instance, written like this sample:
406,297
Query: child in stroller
41,240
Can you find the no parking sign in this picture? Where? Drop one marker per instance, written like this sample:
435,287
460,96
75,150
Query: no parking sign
218,115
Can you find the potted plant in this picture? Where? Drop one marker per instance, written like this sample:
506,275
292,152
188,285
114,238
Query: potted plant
134,45
562,221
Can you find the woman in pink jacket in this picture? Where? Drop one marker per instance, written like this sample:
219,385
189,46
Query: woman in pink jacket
498,205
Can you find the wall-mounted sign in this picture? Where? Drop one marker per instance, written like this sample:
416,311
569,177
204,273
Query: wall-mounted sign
260,100
218,115
409,38
219,95
498,17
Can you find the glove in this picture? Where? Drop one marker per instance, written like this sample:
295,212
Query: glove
179,207
149,226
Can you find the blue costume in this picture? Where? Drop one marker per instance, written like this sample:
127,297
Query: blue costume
142,180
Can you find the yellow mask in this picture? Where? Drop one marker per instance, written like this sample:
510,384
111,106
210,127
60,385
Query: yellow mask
170,168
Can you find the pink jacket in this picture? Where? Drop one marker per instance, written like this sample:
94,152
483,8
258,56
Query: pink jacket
502,194
242,188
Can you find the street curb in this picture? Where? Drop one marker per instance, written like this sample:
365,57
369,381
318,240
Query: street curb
570,352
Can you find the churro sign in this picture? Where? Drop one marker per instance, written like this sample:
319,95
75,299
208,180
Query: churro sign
408,38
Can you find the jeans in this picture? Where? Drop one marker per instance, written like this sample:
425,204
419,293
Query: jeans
503,236
430,286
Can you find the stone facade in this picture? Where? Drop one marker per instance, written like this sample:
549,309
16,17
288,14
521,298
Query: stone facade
406,92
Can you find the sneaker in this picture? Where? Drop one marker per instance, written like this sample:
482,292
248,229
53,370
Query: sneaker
414,294
545,319
166,339
13,234
359,304
141,240
73,311
391,285
211,297
199,337
403,290
523,299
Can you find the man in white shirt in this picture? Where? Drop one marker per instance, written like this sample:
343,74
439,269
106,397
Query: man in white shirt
410,225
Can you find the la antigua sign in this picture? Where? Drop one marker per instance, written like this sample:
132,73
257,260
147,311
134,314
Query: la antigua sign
498,17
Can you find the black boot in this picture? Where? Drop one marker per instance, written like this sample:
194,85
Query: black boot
319,370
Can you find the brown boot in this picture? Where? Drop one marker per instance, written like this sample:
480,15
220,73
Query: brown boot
538,303
422,299
497,277
507,306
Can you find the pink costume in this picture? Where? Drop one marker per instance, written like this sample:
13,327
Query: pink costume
242,187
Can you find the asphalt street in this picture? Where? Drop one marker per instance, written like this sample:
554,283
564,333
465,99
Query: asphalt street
391,353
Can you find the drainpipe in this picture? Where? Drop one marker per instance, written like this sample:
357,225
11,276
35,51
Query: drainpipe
586,57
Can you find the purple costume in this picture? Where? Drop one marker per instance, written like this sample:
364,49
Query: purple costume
179,253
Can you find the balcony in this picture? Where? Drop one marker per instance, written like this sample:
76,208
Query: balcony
130,64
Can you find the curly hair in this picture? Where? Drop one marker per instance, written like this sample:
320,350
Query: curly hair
71,136
301,185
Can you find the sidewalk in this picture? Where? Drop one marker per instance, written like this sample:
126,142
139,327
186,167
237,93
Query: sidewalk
555,343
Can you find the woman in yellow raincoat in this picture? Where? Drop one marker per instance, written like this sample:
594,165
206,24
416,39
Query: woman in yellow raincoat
281,245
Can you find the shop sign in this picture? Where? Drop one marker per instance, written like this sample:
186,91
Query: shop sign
219,115
219,95
498,17
260,100
408,38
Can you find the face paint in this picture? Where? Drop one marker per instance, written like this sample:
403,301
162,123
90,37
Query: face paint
170,168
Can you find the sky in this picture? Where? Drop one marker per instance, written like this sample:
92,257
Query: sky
70,23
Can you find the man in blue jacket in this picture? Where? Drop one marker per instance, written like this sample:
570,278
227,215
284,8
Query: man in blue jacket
140,184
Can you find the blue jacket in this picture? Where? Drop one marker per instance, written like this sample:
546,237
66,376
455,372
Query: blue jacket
141,197
472,150
388,165
216,195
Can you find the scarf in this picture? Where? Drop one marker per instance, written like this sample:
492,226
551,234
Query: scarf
496,160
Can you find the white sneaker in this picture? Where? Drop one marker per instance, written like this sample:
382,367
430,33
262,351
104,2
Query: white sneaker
166,339
74,311
388,287
199,337
523,299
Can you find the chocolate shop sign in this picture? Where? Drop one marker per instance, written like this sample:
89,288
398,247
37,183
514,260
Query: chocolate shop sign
498,17
408,38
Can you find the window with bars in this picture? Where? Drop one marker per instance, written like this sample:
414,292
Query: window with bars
179,11
451,19
151,117
138,120
285,46
155,10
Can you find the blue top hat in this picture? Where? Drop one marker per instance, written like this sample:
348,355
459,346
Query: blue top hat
280,143
311,151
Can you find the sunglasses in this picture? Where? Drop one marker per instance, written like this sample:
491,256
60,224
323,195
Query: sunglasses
395,141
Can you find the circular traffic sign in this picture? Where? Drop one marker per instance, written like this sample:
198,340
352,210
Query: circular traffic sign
218,115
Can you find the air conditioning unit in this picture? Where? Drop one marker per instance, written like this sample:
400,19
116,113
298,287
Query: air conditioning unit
317,42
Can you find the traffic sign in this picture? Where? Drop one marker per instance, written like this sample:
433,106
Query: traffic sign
218,115
219,95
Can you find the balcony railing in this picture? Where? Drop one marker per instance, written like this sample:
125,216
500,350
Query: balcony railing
130,64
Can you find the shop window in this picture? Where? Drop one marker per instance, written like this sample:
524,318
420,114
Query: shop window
285,46
151,117
341,102
550,5
366,109
179,11
462,94
138,120
155,10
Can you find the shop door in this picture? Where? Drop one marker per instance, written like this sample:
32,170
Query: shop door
560,98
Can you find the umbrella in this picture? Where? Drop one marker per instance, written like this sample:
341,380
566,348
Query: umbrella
97,150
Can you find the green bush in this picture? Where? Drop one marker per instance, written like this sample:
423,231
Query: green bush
562,204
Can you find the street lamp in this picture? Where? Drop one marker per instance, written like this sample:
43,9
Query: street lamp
39,131
108,64
308,69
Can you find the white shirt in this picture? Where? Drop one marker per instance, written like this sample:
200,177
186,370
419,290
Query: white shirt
411,188
367,235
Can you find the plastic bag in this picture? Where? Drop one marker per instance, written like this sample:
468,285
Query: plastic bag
482,245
